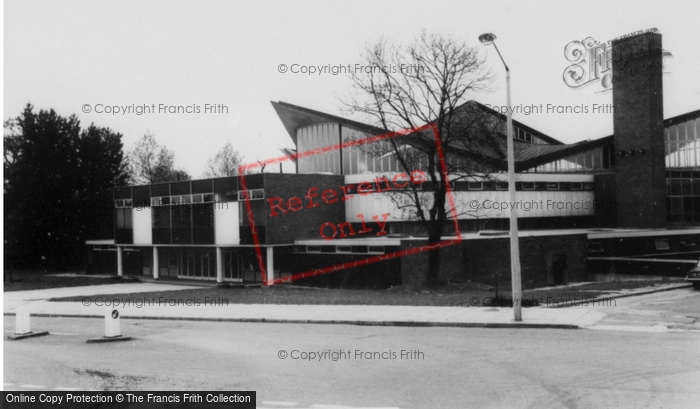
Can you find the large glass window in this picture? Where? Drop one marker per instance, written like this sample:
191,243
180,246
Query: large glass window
124,218
682,144
318,137
161,217
203,215
683,196
374,158
182,217
594,159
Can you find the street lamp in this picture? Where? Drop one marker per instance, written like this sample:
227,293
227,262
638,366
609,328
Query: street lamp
487,39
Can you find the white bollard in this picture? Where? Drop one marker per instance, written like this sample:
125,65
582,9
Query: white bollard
112,331
22,328
112,323
22,321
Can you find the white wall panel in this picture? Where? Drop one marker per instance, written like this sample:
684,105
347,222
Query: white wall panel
226,223
143,233
482,205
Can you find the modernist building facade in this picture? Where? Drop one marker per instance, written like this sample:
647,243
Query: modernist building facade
631,195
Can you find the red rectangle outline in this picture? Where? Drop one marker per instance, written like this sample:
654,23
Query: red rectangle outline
369,260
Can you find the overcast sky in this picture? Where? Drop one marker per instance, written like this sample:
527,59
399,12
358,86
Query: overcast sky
63,55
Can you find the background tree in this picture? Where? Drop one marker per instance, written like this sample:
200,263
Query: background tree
149,162
224,163
57,185
103,166
428,81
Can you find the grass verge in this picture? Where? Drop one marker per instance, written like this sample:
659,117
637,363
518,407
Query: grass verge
311,296
39,280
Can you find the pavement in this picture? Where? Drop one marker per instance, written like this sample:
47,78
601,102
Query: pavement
38,304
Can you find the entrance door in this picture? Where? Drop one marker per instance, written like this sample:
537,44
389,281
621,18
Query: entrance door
186,264
173,268
232,271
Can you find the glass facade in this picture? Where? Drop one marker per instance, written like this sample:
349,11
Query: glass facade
319,137
377,157
682,153
373,158
526,136
682,144
683,196
183,222
600,158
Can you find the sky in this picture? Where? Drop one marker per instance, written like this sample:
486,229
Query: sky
69,54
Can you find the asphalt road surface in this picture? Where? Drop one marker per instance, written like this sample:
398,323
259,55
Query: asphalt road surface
440,367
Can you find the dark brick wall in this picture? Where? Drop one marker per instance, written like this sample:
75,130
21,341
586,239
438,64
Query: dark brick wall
382,274
605,200
305,223
480,260
638,124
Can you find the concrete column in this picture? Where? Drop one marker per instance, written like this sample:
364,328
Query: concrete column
120,262
156,265
270,266
219,265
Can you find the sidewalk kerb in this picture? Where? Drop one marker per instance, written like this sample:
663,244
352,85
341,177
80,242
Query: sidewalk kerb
616,296
334,322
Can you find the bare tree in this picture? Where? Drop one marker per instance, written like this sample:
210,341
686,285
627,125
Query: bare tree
149,162
225,163
427,82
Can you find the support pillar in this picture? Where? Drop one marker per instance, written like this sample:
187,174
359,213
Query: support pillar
120,262
270,266
219,265
156,265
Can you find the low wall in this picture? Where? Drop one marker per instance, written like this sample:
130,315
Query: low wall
545,260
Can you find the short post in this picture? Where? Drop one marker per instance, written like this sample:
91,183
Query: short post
219,266
112,328
156,264
270,266
120,262
22,327
112,323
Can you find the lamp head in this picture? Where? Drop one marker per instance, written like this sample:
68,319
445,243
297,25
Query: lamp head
487,38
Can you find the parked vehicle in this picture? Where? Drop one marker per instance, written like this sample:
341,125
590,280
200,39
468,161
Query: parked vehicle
694,276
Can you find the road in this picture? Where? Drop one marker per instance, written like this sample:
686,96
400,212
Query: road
451,367
670,310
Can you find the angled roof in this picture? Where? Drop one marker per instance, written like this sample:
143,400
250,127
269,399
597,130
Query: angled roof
294,117
516,123
682,118
529,155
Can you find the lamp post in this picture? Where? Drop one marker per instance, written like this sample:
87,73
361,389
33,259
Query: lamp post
487,39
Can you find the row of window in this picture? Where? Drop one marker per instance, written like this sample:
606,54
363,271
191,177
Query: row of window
684,174
462,186
124,203
595,159
659,244
184,199
682,187
202,264
528,137
254,194
340,249
683,209
365,187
